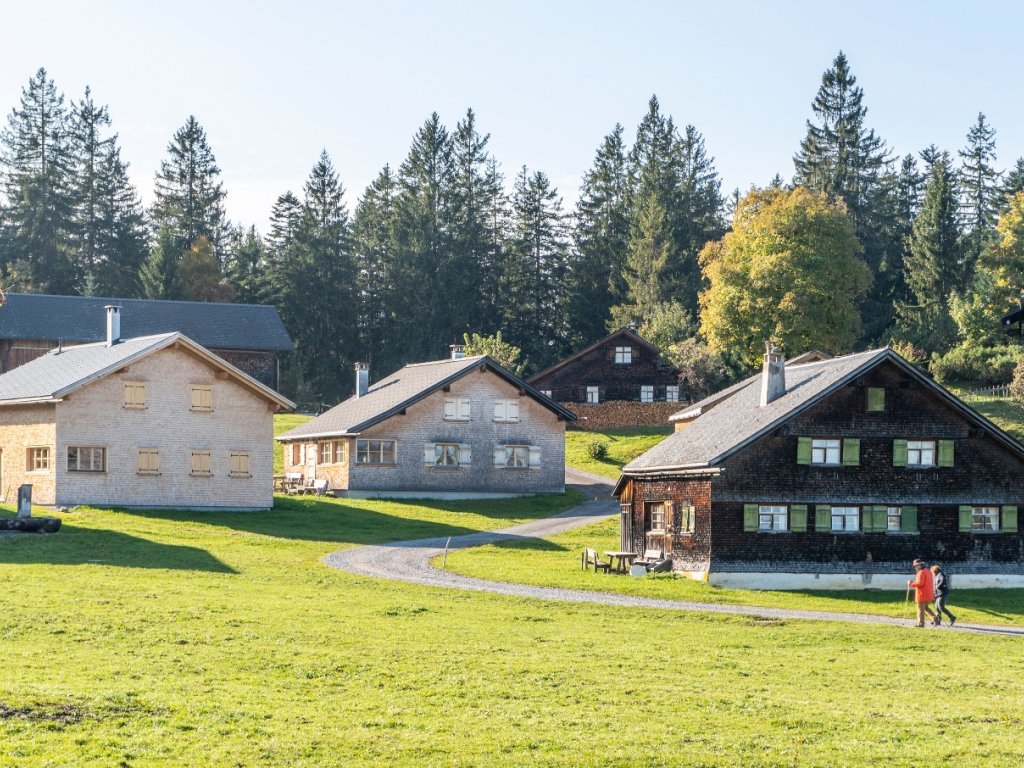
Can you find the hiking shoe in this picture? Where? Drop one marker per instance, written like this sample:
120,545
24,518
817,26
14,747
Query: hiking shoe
952,621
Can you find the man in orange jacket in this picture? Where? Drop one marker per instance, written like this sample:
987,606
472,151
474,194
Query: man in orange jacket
924,592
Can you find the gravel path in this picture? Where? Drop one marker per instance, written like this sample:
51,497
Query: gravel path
409,561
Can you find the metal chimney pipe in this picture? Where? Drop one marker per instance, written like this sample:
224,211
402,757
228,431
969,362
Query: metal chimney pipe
362,379
113,324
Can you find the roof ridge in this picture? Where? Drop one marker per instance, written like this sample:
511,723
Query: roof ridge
438,362
147,301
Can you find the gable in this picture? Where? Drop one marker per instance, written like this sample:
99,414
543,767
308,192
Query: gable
603,350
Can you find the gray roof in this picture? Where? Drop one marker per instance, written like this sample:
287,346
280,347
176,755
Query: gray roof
82,319
401,389
61,371
626,333
726,422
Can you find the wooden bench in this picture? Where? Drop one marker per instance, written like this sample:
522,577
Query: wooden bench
590,557
293,482
316,487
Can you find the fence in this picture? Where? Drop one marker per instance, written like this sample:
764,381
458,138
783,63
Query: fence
997,391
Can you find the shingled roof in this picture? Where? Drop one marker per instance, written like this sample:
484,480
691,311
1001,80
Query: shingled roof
402,389
732,419
625,333
254,327
61,371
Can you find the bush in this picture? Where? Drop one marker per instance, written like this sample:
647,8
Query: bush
976,365
597,449
1017,384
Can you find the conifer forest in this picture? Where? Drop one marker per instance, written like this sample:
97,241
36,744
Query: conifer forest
849,246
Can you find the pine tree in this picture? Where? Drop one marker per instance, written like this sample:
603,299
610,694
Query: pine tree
160,275
374,247
189,197
120,227
979,188
247,267
1013,182
37,184
600,241
201,274
646,261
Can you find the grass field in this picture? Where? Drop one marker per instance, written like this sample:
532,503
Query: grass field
1006,414
282,423
624,445
556,562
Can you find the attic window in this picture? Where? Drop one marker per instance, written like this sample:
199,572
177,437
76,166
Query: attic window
624,355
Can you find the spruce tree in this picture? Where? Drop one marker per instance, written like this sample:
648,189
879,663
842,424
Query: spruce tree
120,231
979,187
646,260
247,267
374,248
160,276
1013,182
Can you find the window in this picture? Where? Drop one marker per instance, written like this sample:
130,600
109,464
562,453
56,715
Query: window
512,456
771,518
846,519
984,519
200,464
134,394
920,453
38,460
457,409
894,519
202,397
296,449
876,399
446,455
149,461
546,392
330,452
656,514
624,355
592,395
672,393
825,451
647,393
375,451
506,410
86,459
238,465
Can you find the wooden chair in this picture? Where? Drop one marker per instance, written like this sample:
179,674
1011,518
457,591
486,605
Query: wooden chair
316,487
590,557
293,483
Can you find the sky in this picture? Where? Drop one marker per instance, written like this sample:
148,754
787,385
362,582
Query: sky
275,83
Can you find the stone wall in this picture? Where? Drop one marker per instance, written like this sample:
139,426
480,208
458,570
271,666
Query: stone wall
620,414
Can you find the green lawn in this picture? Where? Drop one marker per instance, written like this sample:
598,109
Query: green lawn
556,562
173,638
282,423
624,445
1007,414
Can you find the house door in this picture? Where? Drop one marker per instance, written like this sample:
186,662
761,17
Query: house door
657,522
311,461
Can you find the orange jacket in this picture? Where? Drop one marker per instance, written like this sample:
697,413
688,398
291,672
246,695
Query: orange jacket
924,586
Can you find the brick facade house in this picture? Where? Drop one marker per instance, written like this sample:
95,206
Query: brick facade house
249,336
836,473
156,421
459,428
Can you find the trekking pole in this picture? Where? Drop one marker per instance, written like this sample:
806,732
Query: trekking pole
907,598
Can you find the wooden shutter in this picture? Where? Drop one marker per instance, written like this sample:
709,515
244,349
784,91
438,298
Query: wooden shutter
899,453
945,453
428,453
1008,521
499,455
691,518
465,409
966,518
750,517
499,410
851,452
876,399
803,450
534,456
671,522
512,410
823,517
798,517
875,519
908,519
465,454
451,409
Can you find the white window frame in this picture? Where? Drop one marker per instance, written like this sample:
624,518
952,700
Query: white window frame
149,461
672,393
447,455
646,393
201,398
83,458
593,394
200,463
517,456
893,519
375,453
656,508
239,464
506,411
546,393
827,451
623,355
985,519
921,453
135,395
772,518
457,409
37,458
845,520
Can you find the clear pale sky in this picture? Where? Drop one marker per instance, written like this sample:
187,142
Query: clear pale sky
274,83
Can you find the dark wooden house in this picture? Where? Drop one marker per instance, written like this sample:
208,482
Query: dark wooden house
249,336
621,366
832,474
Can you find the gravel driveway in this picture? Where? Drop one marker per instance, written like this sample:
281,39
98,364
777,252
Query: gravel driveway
409,561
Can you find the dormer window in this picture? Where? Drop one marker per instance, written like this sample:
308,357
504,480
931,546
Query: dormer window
624,355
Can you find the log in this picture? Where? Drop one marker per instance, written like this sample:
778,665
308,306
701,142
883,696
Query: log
30,524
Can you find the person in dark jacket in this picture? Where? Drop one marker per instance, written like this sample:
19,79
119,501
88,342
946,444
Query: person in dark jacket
942,585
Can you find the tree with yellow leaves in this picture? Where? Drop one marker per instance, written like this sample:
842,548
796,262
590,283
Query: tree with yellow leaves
789,272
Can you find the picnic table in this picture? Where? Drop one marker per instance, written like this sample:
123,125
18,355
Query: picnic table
625,560
279,483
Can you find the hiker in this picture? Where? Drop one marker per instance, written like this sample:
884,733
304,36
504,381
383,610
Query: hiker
942,585
924,592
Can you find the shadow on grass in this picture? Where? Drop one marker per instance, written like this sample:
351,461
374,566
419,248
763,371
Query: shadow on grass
368,522
513,542
79,546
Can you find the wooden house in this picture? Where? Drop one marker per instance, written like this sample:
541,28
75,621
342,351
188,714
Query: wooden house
836,473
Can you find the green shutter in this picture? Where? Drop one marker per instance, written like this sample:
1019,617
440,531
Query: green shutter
798,517
899,453
1008,524
876,399
945,453
851,452
803,450
966,518
908,519
750,517
691,519
823,517
874,519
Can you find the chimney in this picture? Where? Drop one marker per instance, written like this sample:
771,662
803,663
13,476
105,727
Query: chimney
113,324
458,351
362,379
773,375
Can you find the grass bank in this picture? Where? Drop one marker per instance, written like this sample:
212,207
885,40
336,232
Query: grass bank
624,445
